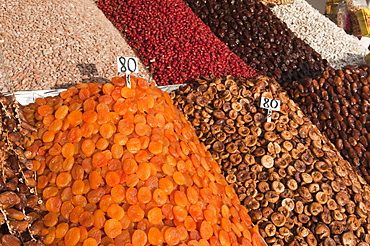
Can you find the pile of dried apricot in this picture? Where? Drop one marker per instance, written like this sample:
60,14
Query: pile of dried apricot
122,166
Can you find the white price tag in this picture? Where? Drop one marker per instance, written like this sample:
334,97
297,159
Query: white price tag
270,104
127,65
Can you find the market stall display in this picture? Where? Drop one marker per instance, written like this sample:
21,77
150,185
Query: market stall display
324,36
338,103
255,34
52,44
175,44
19,207
105,164
122,166
298,188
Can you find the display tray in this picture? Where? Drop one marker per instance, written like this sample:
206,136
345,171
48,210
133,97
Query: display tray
27,97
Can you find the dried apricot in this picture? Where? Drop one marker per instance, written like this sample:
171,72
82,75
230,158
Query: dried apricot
135,213
155,216
115,212
112,228
155,236
72,236
122,166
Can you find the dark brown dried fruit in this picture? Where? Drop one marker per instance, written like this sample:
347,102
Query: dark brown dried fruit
16,175
291,172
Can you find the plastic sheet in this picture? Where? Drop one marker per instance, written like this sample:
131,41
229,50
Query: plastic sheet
27,97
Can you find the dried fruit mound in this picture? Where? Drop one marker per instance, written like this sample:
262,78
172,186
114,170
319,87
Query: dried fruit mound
254,33
338,103
299,189
122,166
175,44
18,201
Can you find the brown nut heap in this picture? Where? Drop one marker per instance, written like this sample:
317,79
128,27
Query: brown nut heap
338,103
299,190
18,199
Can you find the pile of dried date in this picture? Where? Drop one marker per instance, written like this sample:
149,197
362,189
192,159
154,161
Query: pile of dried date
263,41
338,103
299,190
19,207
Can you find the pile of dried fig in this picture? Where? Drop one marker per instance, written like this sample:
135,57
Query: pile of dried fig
19,207
299,189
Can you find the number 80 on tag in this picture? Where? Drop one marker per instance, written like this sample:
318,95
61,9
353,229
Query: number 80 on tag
271,104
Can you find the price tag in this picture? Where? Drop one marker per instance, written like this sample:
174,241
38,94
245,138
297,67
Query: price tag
270,104
127,65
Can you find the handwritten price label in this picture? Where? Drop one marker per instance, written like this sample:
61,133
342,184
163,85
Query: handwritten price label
127,65
270,104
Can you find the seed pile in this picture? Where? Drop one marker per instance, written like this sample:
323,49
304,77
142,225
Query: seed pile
329,40
122,166
56,44
338,103
299,189
255,34
18,198
172,41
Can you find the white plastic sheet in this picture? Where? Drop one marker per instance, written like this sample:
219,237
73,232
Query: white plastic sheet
27,97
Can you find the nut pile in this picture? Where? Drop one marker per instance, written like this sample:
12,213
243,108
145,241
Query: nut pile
299,189
338,103
122,166
19,208
254,33
172,41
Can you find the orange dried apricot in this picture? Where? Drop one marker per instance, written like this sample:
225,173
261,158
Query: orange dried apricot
155,236
115,211
171,236
155,216
74,118
133,145
135,213
144,195
139,238
122,166
72,236
99,159
112,228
